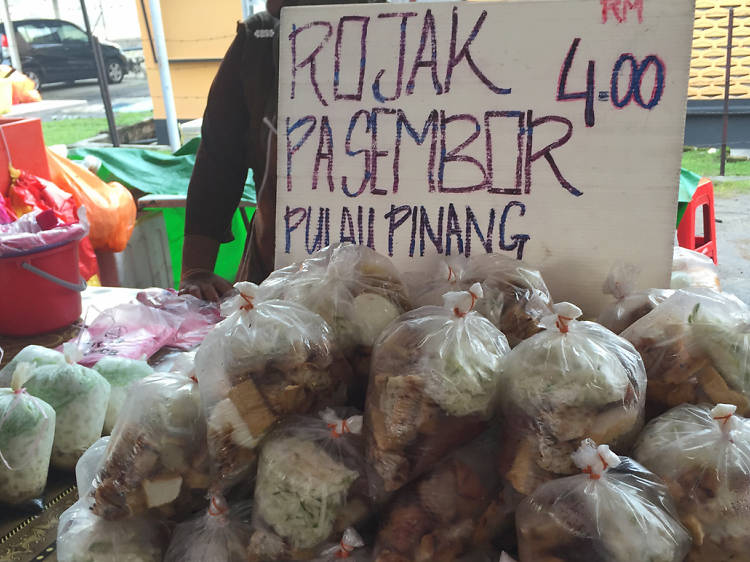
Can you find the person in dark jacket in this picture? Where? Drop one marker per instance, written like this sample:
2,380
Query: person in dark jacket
238,134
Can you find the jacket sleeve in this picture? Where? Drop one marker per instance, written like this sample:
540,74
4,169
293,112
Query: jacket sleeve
222,160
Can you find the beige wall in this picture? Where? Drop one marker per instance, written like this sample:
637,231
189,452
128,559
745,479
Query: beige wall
197,30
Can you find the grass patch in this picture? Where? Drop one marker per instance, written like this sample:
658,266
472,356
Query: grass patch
705,164
729,188
69,131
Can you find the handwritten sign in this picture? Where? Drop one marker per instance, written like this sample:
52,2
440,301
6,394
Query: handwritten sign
549,131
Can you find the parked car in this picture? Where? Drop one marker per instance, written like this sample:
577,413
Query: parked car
59,51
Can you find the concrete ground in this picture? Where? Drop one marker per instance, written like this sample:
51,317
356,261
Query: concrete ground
733,243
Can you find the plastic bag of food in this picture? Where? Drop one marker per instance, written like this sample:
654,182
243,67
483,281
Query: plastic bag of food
120,373
703,454
574,380
27,430
311,485
435,376
630,303
36,355
156,461
220,534
78,395
356,290
459,506
515,300
696,348
88,465
84,537
693,269
265,361
615,511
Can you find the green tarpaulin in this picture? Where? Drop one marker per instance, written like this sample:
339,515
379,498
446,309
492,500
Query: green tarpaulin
161,173
688,185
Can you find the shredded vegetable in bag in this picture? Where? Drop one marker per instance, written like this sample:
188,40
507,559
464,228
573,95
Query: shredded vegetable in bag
458,506
27,430
696,348
693,269
84,537
156,461
220,534
572,381
615,511
36,355
630,303
79,397
703,455
120,373
435,376
356,290
265,361
311,485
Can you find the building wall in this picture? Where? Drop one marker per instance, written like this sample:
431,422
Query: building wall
197,35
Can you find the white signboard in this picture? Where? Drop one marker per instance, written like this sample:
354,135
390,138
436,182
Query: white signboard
549,131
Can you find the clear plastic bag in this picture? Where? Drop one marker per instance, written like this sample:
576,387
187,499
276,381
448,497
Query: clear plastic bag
36,355
703,454
78,395
356,290
89,464
120,373
27,430
84,537
220,534
515,300
311,485
157,459
615,511
693,269
351,546
459,506
630,303
265,361
435,376
572,381
696,348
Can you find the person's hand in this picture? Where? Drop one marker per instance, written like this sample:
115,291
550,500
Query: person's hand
204,284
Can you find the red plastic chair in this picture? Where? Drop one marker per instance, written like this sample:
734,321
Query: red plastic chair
703,198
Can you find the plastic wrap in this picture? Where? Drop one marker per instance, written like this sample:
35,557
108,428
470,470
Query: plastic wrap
572,381
265,361
27,430
630,304
693,269
311,485
615,511
78,395
459,506
350,546
356,290
696,348
120,373
25,235
84,537
435,376
703,454
515,300
220,534
156,461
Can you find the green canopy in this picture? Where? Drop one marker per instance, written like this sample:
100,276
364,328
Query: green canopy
161,173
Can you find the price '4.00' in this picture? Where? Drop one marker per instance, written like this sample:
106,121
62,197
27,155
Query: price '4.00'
619,99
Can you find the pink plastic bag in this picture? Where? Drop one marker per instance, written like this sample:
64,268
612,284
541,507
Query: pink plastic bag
33,232
198,316
130,330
